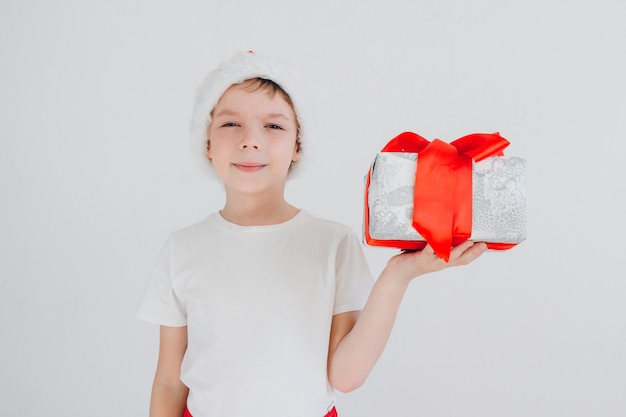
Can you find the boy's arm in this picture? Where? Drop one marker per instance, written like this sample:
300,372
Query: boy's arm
357,339
169,394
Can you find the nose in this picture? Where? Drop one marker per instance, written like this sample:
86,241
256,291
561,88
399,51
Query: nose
250,139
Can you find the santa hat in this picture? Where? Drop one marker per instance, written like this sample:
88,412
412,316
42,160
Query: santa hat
239,68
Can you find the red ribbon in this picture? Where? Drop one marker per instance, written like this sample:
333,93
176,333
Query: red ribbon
442,201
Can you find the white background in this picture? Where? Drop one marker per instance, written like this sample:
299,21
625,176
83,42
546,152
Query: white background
95,171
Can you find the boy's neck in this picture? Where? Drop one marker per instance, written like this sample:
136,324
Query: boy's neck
252,212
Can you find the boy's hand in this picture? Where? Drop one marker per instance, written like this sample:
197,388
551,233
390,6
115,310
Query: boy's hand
409,265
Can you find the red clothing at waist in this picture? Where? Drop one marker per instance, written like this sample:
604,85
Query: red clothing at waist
331,413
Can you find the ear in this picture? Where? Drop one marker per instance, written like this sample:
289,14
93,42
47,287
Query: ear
207,152
296,152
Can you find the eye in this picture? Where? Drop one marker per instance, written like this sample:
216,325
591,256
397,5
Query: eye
273,126
229,124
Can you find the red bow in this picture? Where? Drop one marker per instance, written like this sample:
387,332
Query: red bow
442,201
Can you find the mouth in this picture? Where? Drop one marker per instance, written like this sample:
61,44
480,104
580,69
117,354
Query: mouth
249,166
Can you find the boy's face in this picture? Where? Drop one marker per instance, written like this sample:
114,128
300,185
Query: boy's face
252,139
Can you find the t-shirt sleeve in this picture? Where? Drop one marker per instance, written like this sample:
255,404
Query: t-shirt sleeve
160,303
354,278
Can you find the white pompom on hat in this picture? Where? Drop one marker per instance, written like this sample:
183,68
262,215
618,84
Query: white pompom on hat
239,68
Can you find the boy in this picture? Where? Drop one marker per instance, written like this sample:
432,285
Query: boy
264,308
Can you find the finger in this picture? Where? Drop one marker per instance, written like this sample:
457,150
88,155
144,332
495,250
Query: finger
470,253
458,250
462,247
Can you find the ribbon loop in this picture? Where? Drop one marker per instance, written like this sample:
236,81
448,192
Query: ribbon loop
406,142
479,146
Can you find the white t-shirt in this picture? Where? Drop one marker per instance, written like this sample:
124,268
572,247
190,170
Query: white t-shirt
258,303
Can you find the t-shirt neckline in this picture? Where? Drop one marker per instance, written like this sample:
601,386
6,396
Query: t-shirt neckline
221,221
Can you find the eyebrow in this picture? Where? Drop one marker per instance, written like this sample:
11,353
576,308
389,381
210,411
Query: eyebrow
227,112
277,116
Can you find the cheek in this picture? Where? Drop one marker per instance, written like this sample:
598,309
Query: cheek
216,151
217,141
287,157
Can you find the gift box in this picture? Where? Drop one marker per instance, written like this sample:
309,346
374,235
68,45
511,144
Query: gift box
420,192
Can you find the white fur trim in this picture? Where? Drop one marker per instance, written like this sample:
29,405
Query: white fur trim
241,67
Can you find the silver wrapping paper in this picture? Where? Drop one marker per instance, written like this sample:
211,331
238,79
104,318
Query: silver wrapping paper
498,201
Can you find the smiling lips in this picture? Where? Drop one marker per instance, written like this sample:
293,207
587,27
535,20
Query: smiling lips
249,166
